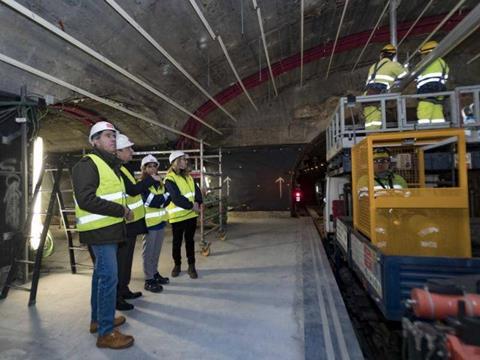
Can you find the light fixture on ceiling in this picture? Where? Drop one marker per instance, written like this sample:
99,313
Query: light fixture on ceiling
202,43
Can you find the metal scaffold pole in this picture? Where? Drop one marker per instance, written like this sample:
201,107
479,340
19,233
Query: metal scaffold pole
202,186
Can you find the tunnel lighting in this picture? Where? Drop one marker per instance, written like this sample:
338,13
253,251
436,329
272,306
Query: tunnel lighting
37,226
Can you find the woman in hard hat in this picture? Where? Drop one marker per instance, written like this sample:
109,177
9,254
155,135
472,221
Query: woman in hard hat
182,211
155,200
432,79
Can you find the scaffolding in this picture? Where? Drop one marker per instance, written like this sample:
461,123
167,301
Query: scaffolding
346,127
201,162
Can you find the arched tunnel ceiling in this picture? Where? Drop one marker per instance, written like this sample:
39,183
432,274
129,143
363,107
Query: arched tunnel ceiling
175,25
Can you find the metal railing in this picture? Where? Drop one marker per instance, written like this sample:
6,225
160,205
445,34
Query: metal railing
468,95
346,126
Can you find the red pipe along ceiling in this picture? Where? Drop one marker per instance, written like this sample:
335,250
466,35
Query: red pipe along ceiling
87,117
345,43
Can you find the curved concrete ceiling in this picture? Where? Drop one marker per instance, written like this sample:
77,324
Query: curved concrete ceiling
175,26
347,43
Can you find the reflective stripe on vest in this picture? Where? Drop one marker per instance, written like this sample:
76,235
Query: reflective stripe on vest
155,216
134,203
186,185
385,72
436,72
110,188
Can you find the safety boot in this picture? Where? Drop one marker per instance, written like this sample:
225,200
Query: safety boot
176,270
192,271
115,340
119,320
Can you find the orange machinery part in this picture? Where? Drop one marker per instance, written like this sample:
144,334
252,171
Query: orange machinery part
429,305
460,351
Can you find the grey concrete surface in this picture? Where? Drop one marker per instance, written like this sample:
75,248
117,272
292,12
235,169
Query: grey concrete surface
267,292
246,304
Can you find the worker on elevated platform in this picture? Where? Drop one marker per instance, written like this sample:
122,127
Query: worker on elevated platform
432,79
381,77
385,178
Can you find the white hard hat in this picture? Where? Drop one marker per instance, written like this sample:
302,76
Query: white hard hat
149,159
98,127
123,142
175,155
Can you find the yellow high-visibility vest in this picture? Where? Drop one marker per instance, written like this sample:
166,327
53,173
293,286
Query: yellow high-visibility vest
134,203
385,72
111,188
155,216
186,185
436,72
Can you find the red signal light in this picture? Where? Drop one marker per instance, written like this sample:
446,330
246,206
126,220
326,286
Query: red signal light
298,196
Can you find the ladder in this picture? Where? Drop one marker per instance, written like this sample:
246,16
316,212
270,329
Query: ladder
68,228
56,196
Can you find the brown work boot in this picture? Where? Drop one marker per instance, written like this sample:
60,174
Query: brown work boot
115,340
116,322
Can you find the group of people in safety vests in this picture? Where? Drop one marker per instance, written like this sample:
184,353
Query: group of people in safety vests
386,71
112,208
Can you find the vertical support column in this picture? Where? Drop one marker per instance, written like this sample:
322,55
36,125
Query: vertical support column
202,209
393,23
476,101
24,169
384,114
302,9
220,193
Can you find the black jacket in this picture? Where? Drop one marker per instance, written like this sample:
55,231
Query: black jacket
180,200
85,179
138,227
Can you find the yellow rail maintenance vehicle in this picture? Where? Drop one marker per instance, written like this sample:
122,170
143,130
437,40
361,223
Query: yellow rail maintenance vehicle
397,202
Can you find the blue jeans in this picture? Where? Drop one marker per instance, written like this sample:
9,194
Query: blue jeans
104,287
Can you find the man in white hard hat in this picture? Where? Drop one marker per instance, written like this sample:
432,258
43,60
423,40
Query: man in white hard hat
101,211
182,211
135,227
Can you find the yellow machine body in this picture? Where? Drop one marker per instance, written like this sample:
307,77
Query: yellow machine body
421,220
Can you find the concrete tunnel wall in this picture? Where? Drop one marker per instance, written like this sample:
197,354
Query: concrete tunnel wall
255,175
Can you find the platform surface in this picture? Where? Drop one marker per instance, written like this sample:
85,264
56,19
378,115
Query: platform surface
267,292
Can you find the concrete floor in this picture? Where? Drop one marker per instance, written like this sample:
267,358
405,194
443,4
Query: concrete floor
248,303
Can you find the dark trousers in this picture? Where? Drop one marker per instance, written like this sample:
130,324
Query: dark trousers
124,261
188,228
